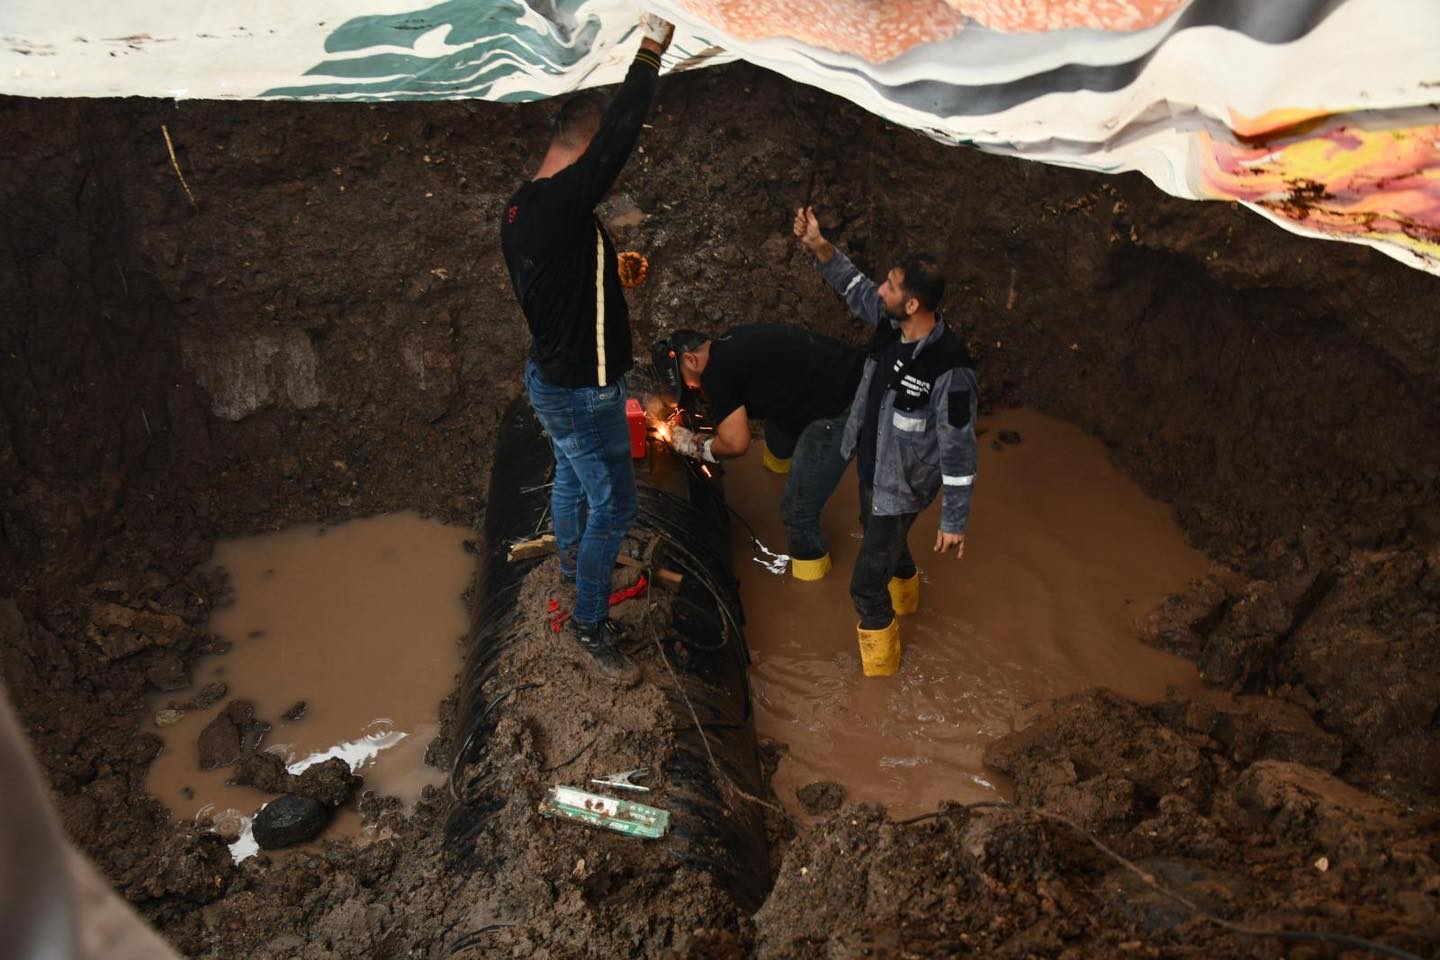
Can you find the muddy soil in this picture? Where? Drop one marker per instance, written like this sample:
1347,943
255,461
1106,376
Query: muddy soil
331,334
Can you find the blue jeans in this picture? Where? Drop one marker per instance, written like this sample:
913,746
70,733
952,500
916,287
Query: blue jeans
815,472
593,474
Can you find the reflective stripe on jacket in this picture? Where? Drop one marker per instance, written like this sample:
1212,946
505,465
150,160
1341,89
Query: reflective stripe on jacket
925,439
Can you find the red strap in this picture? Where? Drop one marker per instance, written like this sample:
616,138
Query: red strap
558,616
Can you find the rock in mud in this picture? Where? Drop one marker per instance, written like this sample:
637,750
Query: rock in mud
168,718
1009,437
263,771
330,782
252,730
121,631
234,733
295,712
167,673
219,743
288,820
211,693
823,796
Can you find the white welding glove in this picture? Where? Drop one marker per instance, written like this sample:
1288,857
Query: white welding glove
656,29
687,443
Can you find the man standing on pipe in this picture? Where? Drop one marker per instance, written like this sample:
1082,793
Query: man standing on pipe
911,429
800,383
563,268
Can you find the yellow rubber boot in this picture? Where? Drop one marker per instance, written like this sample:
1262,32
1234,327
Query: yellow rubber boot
905,594
880,649
810,569
774,464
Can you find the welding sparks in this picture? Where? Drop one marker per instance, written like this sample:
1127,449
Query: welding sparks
663,426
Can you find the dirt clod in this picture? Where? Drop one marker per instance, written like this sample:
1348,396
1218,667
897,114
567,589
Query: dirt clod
232,734
821,797
330,782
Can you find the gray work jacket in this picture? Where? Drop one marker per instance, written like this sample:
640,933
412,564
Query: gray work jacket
926,441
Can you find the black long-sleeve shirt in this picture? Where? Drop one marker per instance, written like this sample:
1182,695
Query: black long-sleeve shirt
559,254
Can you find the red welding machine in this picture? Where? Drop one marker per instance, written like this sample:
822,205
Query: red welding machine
635,416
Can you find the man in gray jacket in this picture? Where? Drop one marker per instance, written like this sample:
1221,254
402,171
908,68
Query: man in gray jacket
911,429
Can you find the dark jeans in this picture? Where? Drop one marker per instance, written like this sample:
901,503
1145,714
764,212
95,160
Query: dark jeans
780,443
591,441
815,472
884,553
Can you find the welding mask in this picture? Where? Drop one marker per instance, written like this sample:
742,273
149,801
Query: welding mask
667,355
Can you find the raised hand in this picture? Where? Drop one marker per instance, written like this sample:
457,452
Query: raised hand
658,32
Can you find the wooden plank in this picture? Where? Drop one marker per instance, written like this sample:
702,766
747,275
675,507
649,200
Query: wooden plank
529,549
668,579
544,546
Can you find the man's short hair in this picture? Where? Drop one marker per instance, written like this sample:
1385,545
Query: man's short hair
923,279
687,341
578,119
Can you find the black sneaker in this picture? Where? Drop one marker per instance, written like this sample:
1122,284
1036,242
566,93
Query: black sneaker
601,641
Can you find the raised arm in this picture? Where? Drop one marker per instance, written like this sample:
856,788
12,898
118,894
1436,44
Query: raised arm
860,292
591,177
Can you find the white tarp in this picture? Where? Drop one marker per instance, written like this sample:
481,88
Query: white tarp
1320,114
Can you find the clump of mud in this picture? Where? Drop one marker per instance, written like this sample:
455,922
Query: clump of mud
1118,807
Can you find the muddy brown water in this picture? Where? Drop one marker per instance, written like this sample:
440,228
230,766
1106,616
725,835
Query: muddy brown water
1062,554
360,621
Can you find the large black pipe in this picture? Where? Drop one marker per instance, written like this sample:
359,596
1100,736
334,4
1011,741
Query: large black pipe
714,827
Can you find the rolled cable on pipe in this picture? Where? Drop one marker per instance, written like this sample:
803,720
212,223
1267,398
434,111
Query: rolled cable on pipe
712,762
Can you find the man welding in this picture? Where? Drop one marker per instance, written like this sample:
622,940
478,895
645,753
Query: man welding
911,428
800,383
563,268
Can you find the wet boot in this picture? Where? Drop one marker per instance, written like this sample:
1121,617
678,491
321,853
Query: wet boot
905,594
775,464
809,569
880,649
601,641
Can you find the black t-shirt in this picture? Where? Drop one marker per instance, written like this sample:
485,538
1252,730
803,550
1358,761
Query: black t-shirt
559,255
894,355
780,374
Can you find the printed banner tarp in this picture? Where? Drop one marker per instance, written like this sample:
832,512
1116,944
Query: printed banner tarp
1323,115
